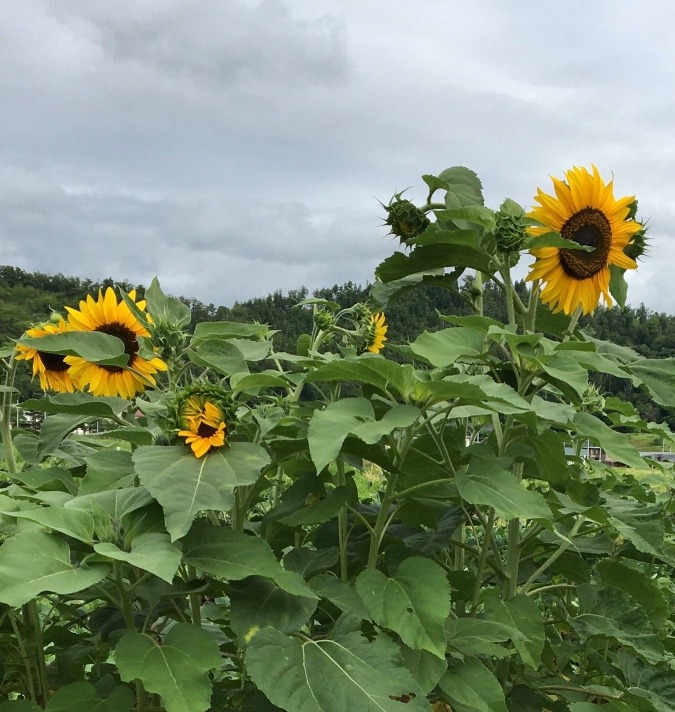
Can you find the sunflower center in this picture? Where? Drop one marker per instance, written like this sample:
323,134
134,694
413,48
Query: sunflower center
206,431
128,338
53,362
589,227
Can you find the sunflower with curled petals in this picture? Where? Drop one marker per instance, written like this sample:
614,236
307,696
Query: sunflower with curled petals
583,210
50,368
204,426
110,316
377,333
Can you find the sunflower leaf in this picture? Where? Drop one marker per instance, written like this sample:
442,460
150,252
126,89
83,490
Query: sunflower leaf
554,239
618,287
93,346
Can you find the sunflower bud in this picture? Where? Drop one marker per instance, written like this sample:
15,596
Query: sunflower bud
323,319
592,401
406,220
637,247
509,232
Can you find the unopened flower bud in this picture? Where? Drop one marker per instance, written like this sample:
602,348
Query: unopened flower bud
406,220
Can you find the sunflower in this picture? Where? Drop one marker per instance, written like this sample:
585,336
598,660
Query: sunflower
377,330
109,316
584,211
50,368
204,425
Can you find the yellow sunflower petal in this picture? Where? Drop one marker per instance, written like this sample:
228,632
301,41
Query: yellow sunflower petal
583,209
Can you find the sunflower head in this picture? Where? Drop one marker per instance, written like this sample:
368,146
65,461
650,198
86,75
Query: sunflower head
376,333
509,232
50,368
405,219
110,316
582,209
203,421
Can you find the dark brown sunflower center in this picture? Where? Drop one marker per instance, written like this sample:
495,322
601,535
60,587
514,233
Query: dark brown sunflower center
206,431
589,227
128,338
53,362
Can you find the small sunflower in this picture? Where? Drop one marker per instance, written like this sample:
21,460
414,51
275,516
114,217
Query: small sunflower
51,369
109,316
584,211
377,333
204,425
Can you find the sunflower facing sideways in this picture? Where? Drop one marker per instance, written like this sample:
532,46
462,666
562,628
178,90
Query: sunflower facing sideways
109,316
51,369
377,333
583,210
203,423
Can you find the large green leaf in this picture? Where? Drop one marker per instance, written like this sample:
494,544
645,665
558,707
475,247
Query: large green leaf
83,697
222,356
659,377
610,612
442,348
258,602
374,370
185,485
485,481
613,443
475,636
343,673
33,561
639,522
522,614
234,556
329,427
444,248
177,669
641,587
151,552
74,523
107,470
111,504
93,346
78,404
463,187
340,593
471,687
414,603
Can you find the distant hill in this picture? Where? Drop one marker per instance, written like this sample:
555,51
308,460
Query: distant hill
28,297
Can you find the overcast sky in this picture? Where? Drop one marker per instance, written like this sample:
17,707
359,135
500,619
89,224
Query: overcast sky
236,147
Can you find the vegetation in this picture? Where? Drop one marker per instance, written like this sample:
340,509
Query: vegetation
26,298
298,522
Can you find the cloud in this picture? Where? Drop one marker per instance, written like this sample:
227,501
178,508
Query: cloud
233,148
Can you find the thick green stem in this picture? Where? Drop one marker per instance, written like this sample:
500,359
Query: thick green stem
555,555
6,419
195,599
485,548
342,522
23,652
508,289
38,641
384,517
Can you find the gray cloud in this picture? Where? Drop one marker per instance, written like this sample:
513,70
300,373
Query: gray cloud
233,148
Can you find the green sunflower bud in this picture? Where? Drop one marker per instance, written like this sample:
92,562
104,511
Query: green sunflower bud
637,247
509,232
592,401
323,319
405,219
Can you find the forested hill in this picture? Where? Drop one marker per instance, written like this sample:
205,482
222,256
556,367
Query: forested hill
27,297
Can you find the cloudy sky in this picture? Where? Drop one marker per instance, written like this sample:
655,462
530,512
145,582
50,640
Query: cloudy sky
236,147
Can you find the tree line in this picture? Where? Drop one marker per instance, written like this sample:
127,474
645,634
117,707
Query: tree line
30,297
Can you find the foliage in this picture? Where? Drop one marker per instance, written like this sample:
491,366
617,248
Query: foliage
490,567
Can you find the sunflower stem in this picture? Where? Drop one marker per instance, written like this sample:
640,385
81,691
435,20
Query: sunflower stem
5,417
